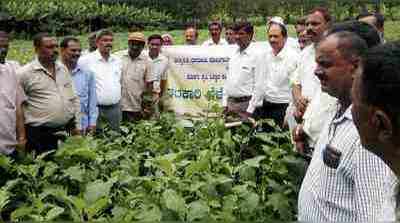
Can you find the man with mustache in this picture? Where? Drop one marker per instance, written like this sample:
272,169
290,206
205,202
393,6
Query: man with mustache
215,29
136,77
107,71
51,104
230,35
241,92
84,82
191,35
301,32
282,59
344,182
12,129
305,84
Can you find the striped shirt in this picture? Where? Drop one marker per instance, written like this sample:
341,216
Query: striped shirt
360,189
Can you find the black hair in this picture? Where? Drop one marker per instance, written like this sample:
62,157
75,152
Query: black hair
191,26
380,81
64,42
154,36
247,26
325,13
367,32
301,21
37,39
379,18
215,23
103,32
282,27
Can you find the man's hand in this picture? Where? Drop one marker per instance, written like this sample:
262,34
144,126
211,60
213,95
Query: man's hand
299,138
76,132
91,130
301,104
21,144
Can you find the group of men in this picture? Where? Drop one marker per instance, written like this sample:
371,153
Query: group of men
311,91
334,87
75,93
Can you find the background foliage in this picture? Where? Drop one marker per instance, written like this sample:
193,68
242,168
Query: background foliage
27,17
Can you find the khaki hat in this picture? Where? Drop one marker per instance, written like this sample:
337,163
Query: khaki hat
138,36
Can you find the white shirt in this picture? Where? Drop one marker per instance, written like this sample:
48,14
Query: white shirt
159,71
107,75
244,69
210,42
304,74
293,43
320,108
360,189
280,70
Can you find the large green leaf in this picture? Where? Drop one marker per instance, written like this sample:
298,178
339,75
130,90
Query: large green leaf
53,213
174,201
96,190
197,210
4,198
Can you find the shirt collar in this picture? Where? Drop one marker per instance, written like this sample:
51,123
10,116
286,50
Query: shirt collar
36,65
99,57
345,116
245,51
282,53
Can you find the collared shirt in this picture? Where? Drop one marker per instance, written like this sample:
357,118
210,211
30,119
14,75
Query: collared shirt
277,78
85,87
135,74
304,74
107,75
358,190
244,71
11,96
50,102
210,42
159,67
321,108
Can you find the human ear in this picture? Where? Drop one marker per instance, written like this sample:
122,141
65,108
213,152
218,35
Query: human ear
383,124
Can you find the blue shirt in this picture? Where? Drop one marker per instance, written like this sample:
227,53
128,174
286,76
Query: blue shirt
85,88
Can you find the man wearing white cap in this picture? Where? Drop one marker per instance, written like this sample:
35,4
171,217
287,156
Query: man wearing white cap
135,77
282,59
290,41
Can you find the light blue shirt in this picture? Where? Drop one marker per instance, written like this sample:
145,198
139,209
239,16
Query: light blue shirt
85,88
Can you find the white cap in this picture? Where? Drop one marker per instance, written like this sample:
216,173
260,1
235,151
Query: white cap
277,19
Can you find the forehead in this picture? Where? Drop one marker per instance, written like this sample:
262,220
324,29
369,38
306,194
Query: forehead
214,26
369,19
105,37
189,31
315,17
3,39
328,46
73,44
275,29
155,41
49,40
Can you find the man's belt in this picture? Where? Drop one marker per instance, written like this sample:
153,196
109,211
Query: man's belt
239,99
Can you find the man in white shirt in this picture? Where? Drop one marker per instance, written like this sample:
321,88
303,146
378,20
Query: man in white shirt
107,71
282,61
244,67
305,83
159,68
215,29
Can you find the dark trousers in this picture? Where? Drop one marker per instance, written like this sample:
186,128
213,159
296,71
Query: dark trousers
271,111
110,114
41,139
129,116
